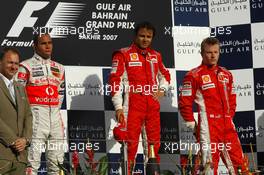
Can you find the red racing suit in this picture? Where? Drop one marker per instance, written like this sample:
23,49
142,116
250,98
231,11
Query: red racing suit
212,91
142,73
44,83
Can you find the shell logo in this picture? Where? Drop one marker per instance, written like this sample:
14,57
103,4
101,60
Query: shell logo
134,57
206,79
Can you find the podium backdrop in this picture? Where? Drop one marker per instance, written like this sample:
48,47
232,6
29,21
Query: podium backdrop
85,33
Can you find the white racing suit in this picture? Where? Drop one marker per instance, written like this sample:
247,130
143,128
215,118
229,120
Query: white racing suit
44,83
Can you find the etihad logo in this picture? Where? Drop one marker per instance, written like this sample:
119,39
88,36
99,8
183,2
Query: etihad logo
64,15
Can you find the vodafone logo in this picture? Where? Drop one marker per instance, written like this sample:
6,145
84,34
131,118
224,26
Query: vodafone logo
49,91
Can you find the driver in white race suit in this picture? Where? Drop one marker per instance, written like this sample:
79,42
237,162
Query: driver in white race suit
44,83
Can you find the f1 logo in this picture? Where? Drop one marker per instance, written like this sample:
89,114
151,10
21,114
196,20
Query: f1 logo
24,19
64,15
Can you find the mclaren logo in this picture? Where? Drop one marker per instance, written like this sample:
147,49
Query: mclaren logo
64,15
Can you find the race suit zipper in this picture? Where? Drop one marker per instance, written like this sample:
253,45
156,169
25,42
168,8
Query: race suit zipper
226,96
47,70
218,90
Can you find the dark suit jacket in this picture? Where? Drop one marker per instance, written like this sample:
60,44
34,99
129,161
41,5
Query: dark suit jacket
15,121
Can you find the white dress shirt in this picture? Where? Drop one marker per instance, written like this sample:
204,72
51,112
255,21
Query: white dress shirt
10,86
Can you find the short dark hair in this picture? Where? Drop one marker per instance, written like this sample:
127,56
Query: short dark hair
146,25
209,41
36,37
9,49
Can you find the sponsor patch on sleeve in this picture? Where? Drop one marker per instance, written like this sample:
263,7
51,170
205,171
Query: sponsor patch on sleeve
186,92
187,85
114,63
114,66
186,89
22,76
113,70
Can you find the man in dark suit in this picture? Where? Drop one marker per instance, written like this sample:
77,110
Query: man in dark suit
15,117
